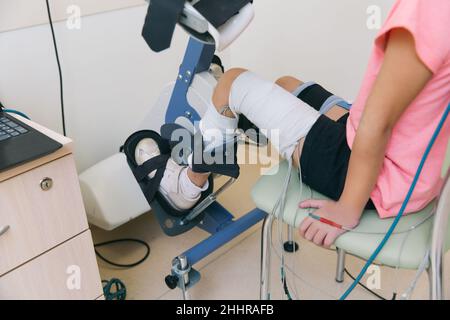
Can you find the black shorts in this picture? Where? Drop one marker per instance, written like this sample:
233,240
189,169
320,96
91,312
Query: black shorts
326,154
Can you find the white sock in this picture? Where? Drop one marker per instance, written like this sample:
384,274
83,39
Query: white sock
188,188
175,183
285,117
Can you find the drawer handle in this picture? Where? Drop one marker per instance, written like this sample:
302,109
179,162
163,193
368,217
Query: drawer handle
3,230
46,184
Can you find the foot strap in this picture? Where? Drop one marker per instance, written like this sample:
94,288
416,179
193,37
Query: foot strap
173,222
221,160
141,172
319,98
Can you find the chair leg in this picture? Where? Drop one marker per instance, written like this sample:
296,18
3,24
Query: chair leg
266,239
435,276
183,265
290,246
340,265
440,228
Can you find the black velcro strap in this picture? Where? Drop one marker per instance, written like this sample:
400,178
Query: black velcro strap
175,134
201,159
162,17
152,188
315,96
227,153
141,172
156,163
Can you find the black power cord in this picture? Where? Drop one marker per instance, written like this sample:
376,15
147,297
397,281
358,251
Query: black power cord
394,296
115,289
120,265
120,293
286,288
61,87
287,292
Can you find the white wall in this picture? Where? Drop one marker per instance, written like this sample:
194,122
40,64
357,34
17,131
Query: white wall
323,40
16,14
112,78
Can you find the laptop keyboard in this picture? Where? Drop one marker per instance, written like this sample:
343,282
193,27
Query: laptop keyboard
10,129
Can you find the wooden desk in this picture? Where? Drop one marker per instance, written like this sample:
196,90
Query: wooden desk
47,252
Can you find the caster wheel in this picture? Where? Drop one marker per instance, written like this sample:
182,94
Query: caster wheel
171,281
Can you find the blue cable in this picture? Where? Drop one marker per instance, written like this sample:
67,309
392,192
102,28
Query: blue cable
402,209
16,112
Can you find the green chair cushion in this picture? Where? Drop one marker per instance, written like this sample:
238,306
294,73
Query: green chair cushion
415,243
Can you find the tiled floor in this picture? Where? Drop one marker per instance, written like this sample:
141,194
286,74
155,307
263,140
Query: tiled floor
232,272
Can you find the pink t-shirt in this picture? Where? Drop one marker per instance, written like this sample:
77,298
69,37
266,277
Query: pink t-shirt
429,23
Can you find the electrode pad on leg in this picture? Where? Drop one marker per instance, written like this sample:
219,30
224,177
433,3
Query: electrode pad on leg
319,98
314,94
273,109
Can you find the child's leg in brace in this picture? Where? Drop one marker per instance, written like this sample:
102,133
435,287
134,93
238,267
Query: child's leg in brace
292,85
263,102
269,106
274,109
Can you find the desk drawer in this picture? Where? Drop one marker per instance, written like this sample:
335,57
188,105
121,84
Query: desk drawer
69,271
39,220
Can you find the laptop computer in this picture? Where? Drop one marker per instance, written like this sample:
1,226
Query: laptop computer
19,143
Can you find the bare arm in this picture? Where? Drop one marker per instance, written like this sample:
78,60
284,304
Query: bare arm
401,78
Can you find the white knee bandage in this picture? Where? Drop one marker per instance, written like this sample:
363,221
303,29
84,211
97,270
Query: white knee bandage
217,129
285,117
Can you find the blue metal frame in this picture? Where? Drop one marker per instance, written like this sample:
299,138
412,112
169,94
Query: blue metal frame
198,58
222,237
218,221
216,218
